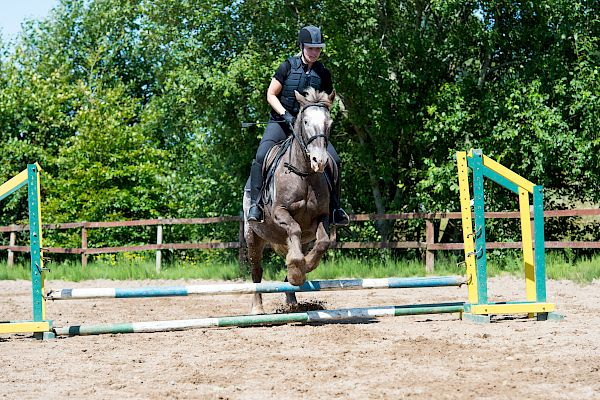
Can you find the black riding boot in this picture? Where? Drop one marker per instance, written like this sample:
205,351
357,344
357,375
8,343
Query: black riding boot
338,216
255,213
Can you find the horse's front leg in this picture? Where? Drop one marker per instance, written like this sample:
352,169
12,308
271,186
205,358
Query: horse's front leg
255,253
290,297
322,242
295,258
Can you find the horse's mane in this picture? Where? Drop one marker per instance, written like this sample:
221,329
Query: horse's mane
313,96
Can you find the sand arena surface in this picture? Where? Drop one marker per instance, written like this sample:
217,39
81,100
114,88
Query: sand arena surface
416,357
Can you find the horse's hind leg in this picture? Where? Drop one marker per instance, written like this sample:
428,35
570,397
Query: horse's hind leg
255,253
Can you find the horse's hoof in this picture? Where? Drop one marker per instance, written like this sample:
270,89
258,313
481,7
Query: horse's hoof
296,276
290,299
299,282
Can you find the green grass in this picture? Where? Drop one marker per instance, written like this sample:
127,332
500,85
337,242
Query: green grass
133,270
582,271
560,265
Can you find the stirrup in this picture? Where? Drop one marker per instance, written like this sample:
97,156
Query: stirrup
340,217
255,213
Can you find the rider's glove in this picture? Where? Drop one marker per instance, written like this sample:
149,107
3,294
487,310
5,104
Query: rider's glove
289,118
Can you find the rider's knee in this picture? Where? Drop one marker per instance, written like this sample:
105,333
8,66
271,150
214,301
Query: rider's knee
261,154
263,149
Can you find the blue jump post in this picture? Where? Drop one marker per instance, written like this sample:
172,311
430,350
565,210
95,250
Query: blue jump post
39,326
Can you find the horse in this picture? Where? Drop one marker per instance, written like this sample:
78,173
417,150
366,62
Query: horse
295,197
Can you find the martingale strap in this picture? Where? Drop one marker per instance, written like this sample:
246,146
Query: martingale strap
296,170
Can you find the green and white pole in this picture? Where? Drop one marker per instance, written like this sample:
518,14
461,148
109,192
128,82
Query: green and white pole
265,319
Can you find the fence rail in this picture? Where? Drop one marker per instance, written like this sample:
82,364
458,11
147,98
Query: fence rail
428,245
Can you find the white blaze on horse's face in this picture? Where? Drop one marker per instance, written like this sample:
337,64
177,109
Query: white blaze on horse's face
315,121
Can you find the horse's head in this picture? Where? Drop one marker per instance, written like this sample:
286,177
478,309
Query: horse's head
313,123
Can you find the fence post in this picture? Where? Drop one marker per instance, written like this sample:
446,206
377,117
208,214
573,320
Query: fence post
159,240
11,242
84,244
429,240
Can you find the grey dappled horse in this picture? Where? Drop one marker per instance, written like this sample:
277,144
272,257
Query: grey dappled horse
296,201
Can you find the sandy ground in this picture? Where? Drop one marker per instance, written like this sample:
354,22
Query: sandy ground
416,357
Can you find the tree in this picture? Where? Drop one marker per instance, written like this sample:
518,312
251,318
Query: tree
134,108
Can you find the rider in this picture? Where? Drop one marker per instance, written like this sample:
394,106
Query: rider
296,73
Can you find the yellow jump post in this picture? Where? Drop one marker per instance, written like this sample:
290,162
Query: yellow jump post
39,326
479,308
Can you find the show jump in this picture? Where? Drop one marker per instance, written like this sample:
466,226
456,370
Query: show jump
476,308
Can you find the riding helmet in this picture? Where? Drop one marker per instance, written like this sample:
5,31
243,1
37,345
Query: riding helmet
310,36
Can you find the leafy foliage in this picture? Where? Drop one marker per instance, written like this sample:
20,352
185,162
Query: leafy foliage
134,108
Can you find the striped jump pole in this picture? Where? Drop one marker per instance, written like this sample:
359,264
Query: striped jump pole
265,319
250,288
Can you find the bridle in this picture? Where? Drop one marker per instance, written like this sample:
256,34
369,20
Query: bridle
304,143
300,138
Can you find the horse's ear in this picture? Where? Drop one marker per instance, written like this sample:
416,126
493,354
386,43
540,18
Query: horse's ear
301,99
331,97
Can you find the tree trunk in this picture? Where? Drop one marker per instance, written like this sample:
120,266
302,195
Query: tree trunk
382,226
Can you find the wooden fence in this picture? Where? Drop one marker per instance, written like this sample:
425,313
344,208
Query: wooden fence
428,245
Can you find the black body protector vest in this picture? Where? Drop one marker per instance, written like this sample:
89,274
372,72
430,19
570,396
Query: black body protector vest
297,80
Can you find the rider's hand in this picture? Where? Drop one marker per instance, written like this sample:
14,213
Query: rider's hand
289,118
